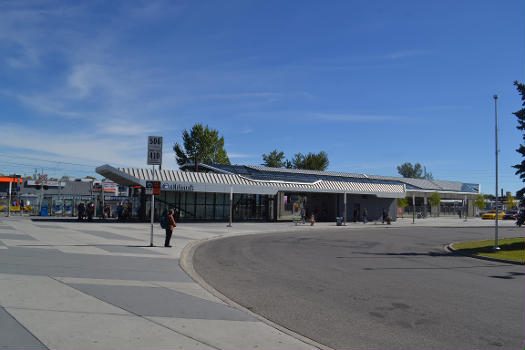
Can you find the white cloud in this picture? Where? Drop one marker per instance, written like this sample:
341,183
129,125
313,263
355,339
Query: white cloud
234,155
406,54
81,146
356,117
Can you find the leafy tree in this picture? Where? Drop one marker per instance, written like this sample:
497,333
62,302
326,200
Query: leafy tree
90,177
435,200
415,171
201,145
520,115
479,202
310,161
511,201
274,159
402,202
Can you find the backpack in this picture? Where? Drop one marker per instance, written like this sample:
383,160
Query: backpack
162,221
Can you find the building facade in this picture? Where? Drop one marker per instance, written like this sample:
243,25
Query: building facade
270,194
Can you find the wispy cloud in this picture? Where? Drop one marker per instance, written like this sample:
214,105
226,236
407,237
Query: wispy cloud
234,155
357,117
406,54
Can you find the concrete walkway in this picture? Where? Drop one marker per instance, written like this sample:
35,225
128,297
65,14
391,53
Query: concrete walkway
66,285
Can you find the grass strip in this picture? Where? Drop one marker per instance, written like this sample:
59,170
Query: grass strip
511,248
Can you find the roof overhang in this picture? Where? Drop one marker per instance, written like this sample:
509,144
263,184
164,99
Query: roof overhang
118,176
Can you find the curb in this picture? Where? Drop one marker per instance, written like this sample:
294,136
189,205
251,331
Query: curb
186,263
455,251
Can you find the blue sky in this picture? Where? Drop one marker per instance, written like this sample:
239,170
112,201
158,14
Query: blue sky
372,83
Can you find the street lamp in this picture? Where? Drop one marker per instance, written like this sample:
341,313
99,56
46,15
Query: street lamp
496,247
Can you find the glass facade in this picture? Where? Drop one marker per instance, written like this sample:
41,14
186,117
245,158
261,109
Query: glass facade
212,206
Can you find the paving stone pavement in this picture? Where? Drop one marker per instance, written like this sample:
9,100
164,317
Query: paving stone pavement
66,285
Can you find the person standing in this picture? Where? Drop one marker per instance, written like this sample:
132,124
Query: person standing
365,216
170,224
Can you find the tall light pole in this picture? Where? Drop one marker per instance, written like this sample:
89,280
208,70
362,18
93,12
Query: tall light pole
496,247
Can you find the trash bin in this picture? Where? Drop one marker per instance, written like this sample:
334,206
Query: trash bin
43,211
339,220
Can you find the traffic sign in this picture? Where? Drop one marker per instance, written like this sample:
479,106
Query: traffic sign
149,187
154,150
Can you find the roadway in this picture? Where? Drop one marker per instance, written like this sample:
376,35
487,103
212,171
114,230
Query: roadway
375,287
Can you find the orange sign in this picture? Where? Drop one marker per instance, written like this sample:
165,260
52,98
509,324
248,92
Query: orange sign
156,188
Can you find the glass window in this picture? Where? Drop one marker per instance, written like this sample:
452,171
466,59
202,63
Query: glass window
201,198
190,198
220,213
210,198
219,198
210,211
200,211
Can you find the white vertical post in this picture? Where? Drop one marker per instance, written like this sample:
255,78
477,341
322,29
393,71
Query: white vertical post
496,247
465,206
9,202
344,194
152,210
231,205
413,208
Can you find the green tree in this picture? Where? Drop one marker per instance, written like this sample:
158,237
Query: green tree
274,159
201,145
90,177
412,171
310,161
416,171
520,115
435,200
402,202
479,202
511,201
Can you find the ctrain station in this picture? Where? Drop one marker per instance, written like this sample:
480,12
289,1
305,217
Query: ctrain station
271,194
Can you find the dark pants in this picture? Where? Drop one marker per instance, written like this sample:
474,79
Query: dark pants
168,237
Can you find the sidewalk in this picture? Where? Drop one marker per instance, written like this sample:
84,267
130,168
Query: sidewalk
66,285
70,285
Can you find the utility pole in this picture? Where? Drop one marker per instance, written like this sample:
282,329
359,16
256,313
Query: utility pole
152,210
496,247
413,208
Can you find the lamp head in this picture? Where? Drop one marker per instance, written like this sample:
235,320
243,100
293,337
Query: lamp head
495,97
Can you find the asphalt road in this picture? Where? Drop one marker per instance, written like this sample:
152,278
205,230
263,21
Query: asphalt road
374,288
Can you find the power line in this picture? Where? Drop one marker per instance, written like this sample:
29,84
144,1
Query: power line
47,160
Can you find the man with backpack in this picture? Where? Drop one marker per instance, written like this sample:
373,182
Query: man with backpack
170,224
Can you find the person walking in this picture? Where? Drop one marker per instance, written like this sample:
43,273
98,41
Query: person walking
170,224
365,216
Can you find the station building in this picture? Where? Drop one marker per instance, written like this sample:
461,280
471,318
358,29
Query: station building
271,194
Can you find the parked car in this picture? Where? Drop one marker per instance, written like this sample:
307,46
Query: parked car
491,215
510,215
